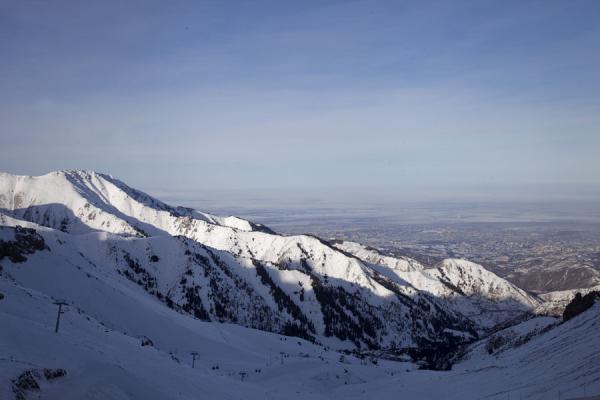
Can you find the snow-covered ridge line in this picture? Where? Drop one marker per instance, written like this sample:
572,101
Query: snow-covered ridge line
101,193
469,287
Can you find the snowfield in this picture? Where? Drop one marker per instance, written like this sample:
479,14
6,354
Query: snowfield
147,284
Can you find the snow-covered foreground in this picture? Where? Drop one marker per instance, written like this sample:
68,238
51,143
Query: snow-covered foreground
104,363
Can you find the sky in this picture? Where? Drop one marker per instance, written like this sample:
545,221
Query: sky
412,97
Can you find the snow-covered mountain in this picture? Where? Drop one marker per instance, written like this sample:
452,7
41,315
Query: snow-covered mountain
135,270
232,270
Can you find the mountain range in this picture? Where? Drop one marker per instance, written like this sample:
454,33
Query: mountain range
135,268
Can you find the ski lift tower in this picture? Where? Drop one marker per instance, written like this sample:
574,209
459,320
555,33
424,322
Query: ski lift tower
194,354
60,304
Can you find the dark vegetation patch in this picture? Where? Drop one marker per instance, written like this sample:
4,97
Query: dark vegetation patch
50,374
193,303
29,379
240,305
27,241
499,341
495,342
302,327
346,316
434,355
136,273
146,341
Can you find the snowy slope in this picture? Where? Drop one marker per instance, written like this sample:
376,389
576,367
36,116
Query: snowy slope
509,338
105,359
104,362
563,362
564,358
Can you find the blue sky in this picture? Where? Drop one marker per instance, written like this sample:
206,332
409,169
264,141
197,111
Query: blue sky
412,97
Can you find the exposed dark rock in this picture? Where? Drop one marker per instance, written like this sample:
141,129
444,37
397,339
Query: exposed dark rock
261,228
579,304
